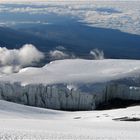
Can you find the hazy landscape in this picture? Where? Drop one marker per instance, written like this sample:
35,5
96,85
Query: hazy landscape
69,70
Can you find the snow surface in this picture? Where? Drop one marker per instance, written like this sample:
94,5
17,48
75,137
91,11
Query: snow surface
76,71
24,122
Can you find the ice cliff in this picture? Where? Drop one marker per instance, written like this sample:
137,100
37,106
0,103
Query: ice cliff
54,97
73,84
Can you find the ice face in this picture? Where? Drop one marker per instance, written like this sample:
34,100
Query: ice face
60,97
54,97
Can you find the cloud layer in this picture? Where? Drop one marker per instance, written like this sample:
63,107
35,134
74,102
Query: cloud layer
122,15
14,59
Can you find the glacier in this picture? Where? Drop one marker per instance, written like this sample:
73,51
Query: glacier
73,84
53,97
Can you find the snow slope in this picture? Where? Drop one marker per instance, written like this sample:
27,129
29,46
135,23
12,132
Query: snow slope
23,122
76,71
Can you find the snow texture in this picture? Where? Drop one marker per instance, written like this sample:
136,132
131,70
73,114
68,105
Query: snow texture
22,122
76,71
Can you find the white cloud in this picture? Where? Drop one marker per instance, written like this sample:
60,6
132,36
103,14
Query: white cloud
9,69
97,54
57,54
28,54
14,59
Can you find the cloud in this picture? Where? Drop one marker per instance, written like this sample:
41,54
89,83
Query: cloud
57,54
11,60
97,54
29,54
9,69
60,48
122,15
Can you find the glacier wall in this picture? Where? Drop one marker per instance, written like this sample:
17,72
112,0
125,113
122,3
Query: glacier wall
54,96
60,97
122,91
